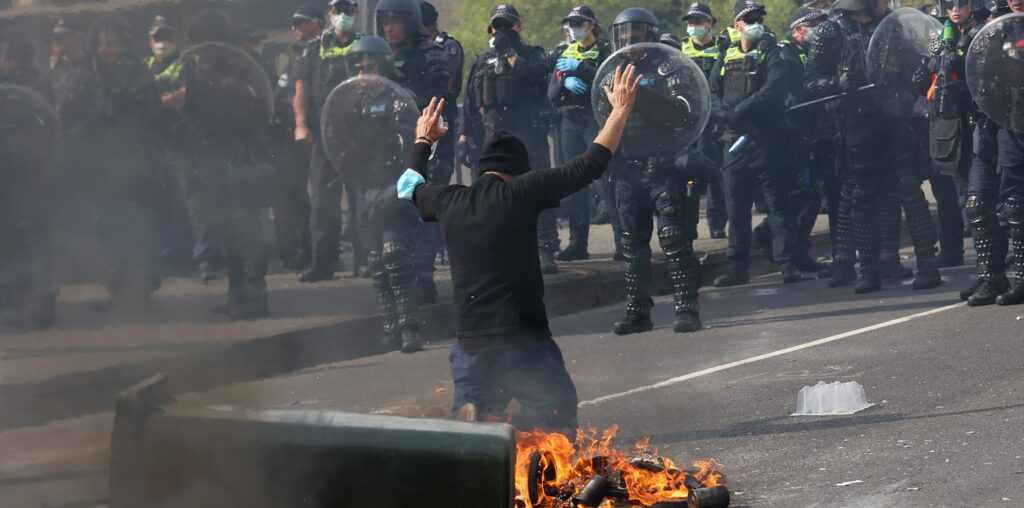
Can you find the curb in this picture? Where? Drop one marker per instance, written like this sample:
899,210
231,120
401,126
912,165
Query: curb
82,393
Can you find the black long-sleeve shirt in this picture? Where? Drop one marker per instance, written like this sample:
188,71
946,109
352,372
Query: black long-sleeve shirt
491,232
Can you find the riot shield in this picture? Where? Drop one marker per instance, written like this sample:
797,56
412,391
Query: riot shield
995,71
229,95
673,104
897,49
368,126
30,136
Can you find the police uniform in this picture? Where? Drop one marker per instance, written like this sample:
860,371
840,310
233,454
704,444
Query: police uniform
500,97
880,149
577,127
749,90
324,67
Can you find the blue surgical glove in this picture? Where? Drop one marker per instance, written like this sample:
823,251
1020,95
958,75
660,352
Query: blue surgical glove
567,64
575,85
647,82
408,182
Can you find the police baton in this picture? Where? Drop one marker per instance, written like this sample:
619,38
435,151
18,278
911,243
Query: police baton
831,98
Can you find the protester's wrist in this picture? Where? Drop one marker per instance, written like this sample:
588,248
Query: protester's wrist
425,140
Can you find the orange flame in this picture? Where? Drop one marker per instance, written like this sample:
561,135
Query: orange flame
565,468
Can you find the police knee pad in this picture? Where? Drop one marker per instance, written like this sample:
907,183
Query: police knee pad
631,248
395,255
666,204
976,207
1014,207
675,242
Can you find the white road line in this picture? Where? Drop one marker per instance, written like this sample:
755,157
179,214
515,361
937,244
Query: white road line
758,358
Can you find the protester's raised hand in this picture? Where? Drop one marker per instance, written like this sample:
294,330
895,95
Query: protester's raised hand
428,127
622,93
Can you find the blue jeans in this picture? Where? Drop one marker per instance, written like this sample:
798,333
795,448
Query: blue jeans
532,372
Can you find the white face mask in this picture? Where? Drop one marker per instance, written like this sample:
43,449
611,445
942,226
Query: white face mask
578,34
162,49
343,22
491,43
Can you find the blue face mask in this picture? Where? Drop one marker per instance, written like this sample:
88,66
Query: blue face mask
754,32
697,31
810,38
343,22
578,34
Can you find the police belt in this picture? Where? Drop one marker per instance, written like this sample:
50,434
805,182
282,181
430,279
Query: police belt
652,165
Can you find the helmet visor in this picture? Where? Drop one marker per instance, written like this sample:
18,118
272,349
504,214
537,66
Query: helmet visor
624,34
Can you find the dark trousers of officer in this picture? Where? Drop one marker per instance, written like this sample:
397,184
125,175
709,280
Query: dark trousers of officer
392,234
984,182
946,190
290,201
325,191
234,192
760,165
27,292
715,206
532,372
1011,166
207,237
536,140
576,132
174,224
640,197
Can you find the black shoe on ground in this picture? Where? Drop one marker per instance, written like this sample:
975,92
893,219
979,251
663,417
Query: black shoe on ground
987,291
633,323
718,234
547,263
807,264
826,273
791,274
843,274
928,276
973,288
315,275
869,281
732,278
687,322
253,307
949,259
894,269
1015,296
411,341
574,252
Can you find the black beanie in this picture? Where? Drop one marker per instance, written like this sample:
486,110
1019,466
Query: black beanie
505,153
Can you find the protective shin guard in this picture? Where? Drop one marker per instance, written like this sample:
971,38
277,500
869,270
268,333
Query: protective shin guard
1014,207
638,287
865,220
402,278
921,226
844,249
685,274
382,287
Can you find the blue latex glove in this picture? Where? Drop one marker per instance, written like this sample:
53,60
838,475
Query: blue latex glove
575,85
647,82
567,64
407,184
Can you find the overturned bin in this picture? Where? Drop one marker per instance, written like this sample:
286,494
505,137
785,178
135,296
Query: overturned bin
223,457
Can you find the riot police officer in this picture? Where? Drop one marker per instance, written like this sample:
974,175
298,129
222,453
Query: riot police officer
324,67
749,84
879,148
574,71
506,92
652,177
701,45
17,61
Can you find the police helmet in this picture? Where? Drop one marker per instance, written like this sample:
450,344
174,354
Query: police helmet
111,39
952,4
407,10
851,5
371,50
633,26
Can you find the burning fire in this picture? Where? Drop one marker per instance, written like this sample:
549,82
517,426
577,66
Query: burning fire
552,472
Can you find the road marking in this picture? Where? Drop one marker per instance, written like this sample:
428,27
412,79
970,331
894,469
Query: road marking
758,358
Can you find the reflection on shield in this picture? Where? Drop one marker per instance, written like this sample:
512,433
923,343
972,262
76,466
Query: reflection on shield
229,93
897,49
30,136
995,71
368,126
673,104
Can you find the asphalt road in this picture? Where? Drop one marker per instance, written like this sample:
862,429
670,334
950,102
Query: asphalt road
947,381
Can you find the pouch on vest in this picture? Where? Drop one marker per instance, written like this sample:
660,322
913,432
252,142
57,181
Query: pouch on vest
945,146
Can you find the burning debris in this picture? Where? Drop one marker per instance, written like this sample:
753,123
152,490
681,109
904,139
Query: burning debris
552,472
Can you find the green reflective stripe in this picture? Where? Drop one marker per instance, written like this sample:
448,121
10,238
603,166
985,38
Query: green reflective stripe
172,72
573,51
150,62
735,55
800,53
335,51
691,50
399,64
734,35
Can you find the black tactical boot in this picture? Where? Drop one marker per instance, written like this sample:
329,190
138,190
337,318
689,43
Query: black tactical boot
806,263
973,288
685,274
574,252
894,269
843,274
1015,296
315,274
1014,207
687,322
735,276
411,340
718,234
251,305
791,274
869,281
928,275
987,291
634,322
